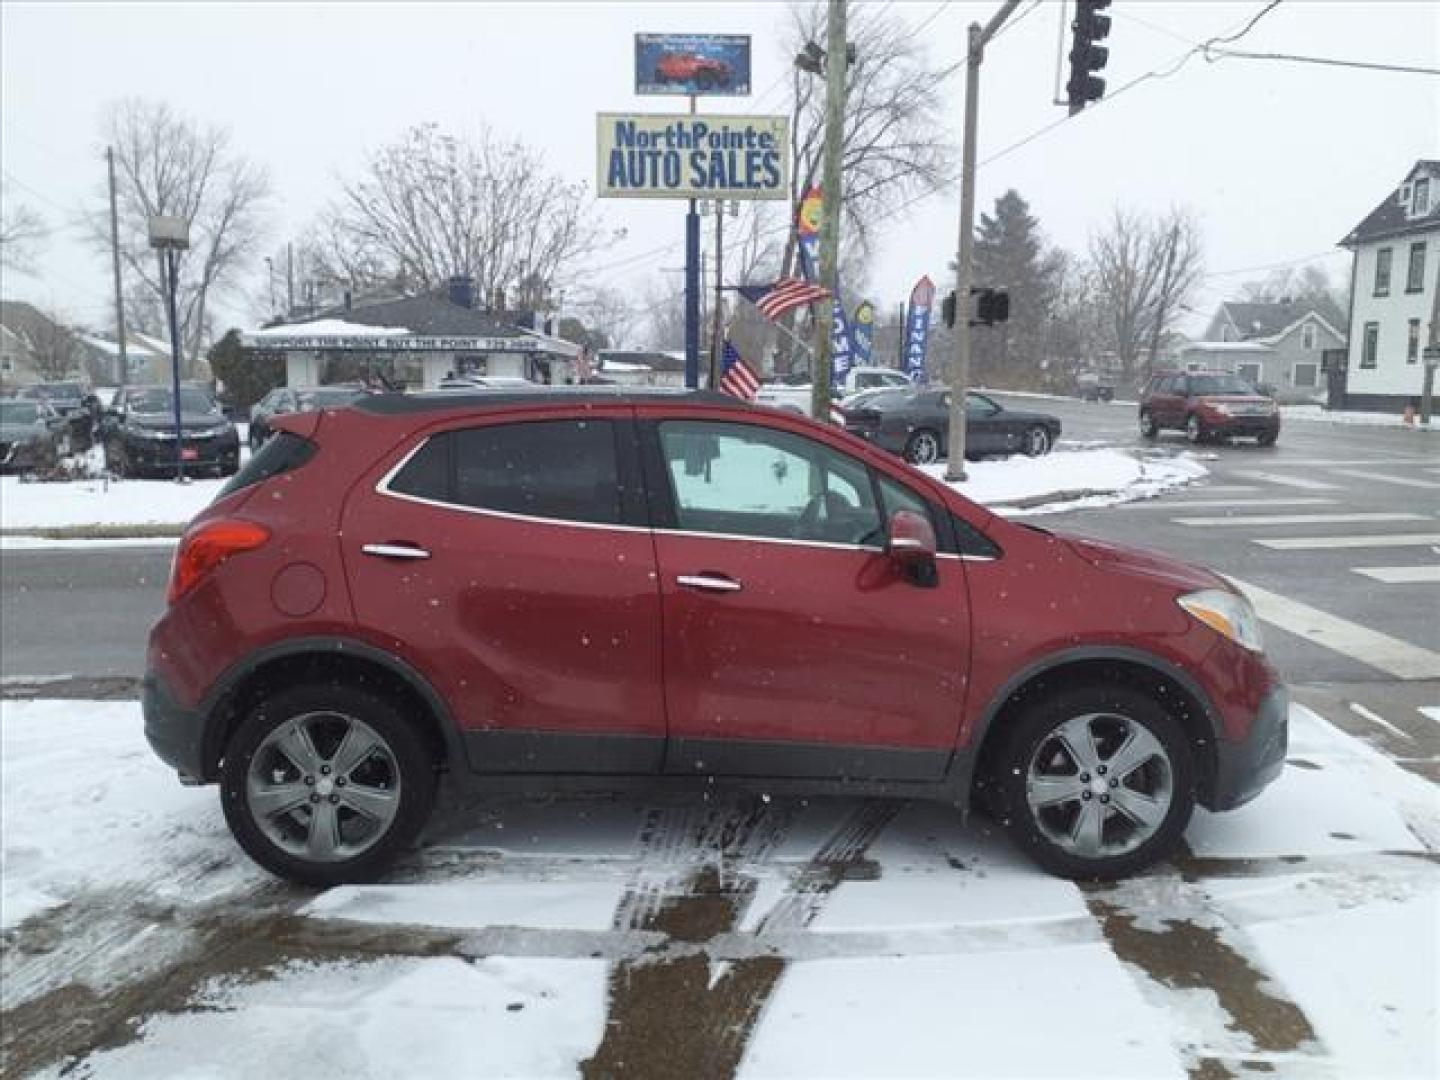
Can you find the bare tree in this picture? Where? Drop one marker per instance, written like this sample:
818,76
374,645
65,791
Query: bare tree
664,312
1145,267
21,230
55,352
167,164
609,312
433,206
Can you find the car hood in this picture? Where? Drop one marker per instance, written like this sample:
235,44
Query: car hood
1234,399
189,421
1121,557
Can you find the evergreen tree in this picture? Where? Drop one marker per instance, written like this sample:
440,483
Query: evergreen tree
1011,253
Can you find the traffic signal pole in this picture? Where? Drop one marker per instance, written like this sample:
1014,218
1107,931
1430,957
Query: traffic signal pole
960,355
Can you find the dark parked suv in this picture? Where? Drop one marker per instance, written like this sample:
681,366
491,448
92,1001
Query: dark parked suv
1207,405
138,433
588,586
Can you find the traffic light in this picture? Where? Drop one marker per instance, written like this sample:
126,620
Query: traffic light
991,306
1087,57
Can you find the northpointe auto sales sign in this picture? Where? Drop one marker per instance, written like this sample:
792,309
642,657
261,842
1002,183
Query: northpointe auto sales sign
665,156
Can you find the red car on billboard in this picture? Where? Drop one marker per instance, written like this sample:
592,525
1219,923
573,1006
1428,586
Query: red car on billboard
703,71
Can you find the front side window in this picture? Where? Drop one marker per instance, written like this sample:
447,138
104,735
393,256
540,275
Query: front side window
564,470
980,405
746,480
1382,271
1415,272
1250,373
1412,343
1370,346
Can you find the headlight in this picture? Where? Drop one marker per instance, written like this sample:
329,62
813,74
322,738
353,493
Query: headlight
1226,613
1220,407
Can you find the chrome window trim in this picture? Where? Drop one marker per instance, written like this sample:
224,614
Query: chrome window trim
382,487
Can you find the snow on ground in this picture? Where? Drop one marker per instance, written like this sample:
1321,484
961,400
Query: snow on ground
102,502
327,328
1073,479
1341,416
388,1018
947,958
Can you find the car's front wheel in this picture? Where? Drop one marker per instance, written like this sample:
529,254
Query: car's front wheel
1095,782
1148,428
1035,442
1195,430
325,784
923,447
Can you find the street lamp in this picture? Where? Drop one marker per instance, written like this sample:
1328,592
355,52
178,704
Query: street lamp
170,236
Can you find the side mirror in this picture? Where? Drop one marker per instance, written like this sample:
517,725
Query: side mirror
910,539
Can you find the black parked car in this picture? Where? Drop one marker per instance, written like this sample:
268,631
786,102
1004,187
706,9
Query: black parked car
73,402
285,399
916,425
30,434
138,433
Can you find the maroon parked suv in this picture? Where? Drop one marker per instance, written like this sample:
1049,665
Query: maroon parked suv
1207,405
585,587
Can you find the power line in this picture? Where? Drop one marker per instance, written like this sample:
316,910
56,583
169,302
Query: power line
1211,55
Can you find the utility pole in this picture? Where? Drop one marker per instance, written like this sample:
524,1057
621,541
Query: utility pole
692,290
716,344
836,61
115,259
1163,298
289,280
960,357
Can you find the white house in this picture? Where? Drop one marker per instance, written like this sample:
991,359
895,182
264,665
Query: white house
1392,292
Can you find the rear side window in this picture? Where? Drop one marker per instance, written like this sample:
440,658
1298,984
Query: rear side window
561,469
283,453
564,469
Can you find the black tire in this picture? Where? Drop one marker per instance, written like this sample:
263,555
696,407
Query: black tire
115,461
1195,430
1036,442
410,765
1035,730
1148,428
230,466
923,447
1268,438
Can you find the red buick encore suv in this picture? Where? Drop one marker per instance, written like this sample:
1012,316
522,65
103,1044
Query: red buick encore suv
592,587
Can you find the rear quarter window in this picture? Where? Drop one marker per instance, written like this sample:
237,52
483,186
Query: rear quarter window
283,453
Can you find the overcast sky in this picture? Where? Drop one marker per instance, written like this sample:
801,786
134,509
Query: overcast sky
1279,160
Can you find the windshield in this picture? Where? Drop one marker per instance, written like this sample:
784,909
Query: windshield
19,412
53,390
160,400
1219,384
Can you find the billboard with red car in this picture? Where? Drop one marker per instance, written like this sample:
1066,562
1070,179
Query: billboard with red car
693,64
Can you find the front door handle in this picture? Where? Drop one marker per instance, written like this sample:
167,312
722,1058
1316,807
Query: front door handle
709,582
395,551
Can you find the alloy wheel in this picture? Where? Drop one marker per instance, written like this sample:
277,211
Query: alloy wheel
1099,785
1037,442
323,786
924,448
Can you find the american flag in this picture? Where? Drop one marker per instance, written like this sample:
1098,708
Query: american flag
736,378
785,295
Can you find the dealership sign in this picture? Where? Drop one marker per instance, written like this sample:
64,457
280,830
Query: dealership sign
692,64
270,341
665,156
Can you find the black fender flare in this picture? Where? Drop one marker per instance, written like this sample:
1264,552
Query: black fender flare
327,645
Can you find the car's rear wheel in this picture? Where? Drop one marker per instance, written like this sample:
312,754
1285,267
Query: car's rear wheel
1035,442
325,784
1268,438
1148,428
1195,430
1095,782
923,447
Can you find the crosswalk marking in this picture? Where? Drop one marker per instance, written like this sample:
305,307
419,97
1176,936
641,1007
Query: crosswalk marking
1402,575
1403,481
1381,651
1323,543
1238,504
1296,519
1290,481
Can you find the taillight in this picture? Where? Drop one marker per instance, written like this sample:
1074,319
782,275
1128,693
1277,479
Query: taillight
207,547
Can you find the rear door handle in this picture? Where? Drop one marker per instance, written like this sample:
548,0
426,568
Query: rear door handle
709,582
395,551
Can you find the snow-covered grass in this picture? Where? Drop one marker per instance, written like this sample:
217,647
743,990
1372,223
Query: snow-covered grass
1315,413
945,960
110,503
1072,479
